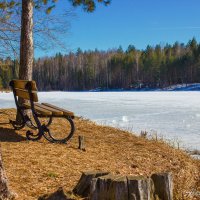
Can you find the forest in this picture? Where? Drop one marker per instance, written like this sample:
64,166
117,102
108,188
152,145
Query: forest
154,67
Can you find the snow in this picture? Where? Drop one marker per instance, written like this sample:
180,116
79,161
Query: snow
176,87
173,115
183,87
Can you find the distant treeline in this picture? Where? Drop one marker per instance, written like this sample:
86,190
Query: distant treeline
158,66
8,70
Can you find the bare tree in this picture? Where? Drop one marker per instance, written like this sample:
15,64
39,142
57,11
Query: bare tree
45,31
9,34
26,39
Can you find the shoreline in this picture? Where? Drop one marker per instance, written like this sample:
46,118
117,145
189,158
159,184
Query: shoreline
173,88
191,151
111,91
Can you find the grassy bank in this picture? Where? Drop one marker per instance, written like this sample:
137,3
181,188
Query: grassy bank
36,168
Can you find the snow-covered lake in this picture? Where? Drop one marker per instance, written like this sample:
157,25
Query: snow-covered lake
174,115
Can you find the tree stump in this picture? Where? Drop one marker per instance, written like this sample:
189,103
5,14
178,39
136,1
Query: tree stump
139,188
5,193
105,186
81,141
162,186
83,187
109,187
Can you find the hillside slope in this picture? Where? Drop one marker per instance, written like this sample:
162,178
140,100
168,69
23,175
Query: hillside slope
36,168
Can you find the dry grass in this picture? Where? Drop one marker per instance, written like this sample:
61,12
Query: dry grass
36,168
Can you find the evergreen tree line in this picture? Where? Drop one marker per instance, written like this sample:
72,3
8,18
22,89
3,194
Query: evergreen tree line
8,71
159,66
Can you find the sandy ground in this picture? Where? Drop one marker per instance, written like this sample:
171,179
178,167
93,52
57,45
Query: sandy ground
37,168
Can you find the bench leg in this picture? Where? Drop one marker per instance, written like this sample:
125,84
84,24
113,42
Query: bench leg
17,125
52,137
25,120
33,126
41,129
38,136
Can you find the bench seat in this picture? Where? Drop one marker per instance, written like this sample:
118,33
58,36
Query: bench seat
47,109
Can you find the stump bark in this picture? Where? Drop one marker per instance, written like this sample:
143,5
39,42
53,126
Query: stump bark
5,193
163,186
109,187
139,188
83,187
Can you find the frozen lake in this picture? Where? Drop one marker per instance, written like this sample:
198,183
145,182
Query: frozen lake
174,115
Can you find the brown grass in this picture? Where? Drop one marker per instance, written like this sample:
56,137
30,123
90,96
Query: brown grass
36,168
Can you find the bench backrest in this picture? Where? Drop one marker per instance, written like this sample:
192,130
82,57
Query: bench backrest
25,89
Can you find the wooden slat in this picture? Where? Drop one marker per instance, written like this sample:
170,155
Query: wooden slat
65,112
39,110
25,95
21,84
54,111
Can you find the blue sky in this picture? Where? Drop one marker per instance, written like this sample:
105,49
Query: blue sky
137,22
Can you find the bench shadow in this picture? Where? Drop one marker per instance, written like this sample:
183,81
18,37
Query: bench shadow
9,135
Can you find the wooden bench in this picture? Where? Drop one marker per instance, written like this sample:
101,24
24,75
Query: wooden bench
26,92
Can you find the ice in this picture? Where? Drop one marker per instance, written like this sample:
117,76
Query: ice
197,114
125,118
170,114
6,100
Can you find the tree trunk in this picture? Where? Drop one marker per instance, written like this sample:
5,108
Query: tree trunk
5,192
26,42
26,46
